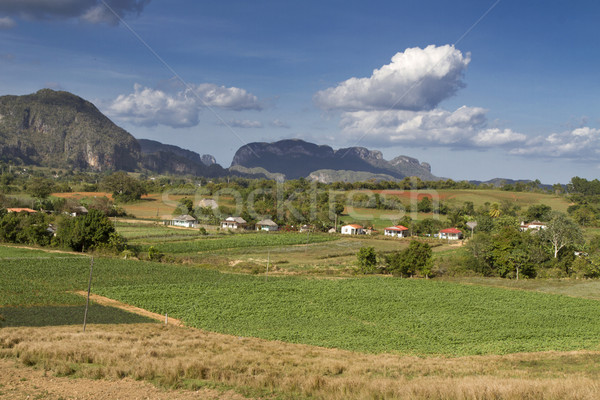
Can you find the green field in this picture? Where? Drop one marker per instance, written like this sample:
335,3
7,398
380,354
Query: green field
237,241
373,314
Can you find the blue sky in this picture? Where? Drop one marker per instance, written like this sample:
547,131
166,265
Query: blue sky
515,97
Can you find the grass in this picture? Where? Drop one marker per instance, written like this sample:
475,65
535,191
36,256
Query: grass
175,357
372,314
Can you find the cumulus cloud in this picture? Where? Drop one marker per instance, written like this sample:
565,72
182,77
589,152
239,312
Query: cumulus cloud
93,11
495,137
150,107
465,127
416,79
581,143
7,23
244,123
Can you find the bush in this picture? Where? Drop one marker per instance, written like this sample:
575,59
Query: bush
154,254
86,232
367,260
415,258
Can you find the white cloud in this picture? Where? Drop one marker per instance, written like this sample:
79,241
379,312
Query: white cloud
496,137
416,79
277,123
581,144
150,107
93,11
7,23
462,128
244,123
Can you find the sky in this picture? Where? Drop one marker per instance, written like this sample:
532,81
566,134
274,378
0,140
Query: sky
479,88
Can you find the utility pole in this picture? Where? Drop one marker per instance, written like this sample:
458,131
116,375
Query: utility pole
87,302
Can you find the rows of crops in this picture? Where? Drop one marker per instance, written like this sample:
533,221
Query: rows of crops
215,243
374,314
132,232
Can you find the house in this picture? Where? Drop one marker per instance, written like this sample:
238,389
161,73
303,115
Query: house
353,229
234,223
18,210
266,225
78,210
396,231
534,225
450,234
186,221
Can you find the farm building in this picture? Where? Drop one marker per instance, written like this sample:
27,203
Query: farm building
534,225
185,220
396,231
78,210
451,234
234,223
266,225
353,229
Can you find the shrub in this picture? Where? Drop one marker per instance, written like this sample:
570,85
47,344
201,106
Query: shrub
367,260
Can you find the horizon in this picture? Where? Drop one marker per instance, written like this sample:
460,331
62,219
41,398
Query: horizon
446,84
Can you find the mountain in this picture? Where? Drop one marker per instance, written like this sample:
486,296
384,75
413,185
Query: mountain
152,146
61,130
58,129
296,158
166,158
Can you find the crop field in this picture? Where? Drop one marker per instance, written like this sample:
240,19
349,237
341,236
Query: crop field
236,241
373,314
138,232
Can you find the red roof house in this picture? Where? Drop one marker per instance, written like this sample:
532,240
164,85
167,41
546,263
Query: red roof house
396,231
451,234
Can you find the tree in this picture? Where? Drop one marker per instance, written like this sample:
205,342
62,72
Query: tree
124,188
415,258
424,205
40,188
539,212
367,260
562,231
86,231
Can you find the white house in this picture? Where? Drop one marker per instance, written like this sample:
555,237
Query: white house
266,225
534,225
186,221
353,229
234,223
396,231
450,234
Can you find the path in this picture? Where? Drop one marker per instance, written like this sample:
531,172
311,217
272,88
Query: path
105,301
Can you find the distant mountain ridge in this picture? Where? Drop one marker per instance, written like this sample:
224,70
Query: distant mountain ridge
61,130
297,158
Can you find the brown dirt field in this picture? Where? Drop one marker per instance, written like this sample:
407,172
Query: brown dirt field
81,195
105,301
19,382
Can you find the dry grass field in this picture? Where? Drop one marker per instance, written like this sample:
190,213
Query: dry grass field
184,358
